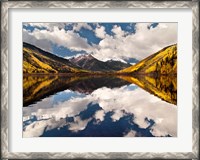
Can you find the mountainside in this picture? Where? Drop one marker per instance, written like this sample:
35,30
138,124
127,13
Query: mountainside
36,60
88,62
162,62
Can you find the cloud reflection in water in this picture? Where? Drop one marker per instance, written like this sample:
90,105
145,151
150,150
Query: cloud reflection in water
124,111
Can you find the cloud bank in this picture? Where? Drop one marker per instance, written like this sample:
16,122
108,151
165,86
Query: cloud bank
121,44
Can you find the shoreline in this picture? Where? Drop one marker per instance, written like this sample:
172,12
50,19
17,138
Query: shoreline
97,74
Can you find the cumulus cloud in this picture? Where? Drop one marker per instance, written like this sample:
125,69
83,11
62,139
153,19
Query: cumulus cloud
121,44
78,124
37,128
118,31
78,26
137,45
100,32
48,26
119,101
44,44
131,134
99,115
117,115
45,38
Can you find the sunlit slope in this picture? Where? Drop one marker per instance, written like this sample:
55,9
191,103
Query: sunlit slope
162,62
36,60
164,87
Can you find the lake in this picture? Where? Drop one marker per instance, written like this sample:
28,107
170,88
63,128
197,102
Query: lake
99,106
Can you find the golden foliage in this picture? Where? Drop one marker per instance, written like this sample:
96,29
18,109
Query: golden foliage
162,62
43,65
38,61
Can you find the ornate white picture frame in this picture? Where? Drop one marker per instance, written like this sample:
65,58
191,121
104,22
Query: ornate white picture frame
6,6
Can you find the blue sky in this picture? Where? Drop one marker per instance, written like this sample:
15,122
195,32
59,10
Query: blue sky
105,41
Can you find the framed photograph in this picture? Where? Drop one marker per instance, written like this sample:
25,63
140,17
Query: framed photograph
100,80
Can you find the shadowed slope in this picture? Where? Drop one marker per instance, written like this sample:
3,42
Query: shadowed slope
89,62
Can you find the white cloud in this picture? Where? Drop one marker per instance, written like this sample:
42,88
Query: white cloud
121,45
78,124
139,45
44,44
48,26
99,115
118,31
44,38
37,128
75,56
100,32
78,26
117,115
131,134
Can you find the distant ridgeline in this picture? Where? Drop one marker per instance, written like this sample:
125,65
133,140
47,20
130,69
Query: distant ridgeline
164,62
35,61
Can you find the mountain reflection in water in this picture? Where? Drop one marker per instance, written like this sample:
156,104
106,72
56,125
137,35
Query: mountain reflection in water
70,106
164,87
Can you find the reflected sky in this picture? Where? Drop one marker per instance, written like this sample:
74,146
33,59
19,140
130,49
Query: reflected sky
126,111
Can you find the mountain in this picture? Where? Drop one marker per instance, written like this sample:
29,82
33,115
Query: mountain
161,63
36,60
89,62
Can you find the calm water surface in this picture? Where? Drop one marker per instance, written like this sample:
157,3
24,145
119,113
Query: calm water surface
60,106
